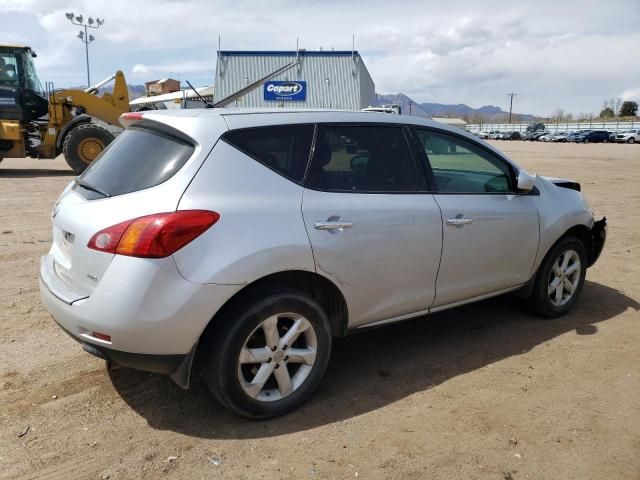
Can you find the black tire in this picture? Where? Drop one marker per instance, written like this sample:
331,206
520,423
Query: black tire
220,362
83,144
631,140
605,140
586,140
539,300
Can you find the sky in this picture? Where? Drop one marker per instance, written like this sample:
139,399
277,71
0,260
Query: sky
561,54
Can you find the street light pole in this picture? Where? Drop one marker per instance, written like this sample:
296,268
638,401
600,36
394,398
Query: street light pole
85,37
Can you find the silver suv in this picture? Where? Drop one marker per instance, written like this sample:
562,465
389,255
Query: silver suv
240,242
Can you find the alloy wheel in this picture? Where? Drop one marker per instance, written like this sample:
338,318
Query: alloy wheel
277,357
564,278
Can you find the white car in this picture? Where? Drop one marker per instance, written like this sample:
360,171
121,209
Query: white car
243,241
628,136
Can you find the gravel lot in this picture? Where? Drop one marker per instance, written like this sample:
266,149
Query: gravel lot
485,391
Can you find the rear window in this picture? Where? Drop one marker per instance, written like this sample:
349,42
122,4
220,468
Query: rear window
139,158
283,148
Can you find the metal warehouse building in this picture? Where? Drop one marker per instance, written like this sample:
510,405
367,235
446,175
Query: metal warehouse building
314,79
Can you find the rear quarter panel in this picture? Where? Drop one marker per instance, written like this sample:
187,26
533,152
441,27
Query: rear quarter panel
260,231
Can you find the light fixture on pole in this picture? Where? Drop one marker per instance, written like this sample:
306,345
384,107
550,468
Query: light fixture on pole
84,36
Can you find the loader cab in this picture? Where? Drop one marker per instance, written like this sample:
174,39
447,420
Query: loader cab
22,97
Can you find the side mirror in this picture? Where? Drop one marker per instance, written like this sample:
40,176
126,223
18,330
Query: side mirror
525,181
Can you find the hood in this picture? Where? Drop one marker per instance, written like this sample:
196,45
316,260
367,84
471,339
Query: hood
564,182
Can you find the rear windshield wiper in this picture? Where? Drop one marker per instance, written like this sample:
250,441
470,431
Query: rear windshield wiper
91,187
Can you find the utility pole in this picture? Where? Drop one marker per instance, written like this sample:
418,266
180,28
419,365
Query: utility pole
85,37
511,103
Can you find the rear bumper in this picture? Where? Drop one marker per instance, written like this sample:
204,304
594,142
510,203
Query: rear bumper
598,238
153,316
166,364
145,306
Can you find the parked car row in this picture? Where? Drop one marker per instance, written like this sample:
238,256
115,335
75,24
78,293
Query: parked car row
581,136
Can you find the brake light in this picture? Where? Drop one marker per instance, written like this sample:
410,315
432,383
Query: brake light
132,116
154,236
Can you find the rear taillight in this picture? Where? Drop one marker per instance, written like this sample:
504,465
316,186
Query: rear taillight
131,116
153,236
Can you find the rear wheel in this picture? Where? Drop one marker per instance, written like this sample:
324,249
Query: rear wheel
263,360
605,140
560,278
83,144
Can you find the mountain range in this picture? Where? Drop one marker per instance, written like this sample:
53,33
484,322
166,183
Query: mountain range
485,113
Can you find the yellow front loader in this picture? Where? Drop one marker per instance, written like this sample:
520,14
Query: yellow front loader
42,124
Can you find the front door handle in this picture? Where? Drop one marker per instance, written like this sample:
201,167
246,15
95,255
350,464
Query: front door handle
459,221
333,224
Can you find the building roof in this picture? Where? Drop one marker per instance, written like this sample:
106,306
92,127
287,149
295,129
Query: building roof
287,53
203,91
162,80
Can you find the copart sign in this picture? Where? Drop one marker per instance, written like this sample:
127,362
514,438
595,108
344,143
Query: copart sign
286,91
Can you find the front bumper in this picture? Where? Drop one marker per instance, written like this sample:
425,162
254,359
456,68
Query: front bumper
598,238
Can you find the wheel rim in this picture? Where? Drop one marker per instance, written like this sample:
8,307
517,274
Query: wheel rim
564,278
89,149
277,357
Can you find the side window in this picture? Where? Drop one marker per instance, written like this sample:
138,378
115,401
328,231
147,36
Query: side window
284,148
363,159
460,166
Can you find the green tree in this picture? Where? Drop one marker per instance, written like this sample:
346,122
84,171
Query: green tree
629,109
607,112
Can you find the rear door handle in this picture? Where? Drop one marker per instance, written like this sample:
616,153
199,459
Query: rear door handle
459,221
334,225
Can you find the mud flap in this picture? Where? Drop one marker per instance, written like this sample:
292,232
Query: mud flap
182,376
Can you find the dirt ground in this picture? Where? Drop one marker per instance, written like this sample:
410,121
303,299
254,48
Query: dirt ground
481,392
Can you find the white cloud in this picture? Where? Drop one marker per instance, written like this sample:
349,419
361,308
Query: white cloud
141,69
570,54
631,94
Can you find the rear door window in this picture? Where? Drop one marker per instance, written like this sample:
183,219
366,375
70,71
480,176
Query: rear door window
363,158
139,158
284,148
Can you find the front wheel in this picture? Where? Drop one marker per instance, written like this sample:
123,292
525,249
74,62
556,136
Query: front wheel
264,360
83,144
631,140
560,278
